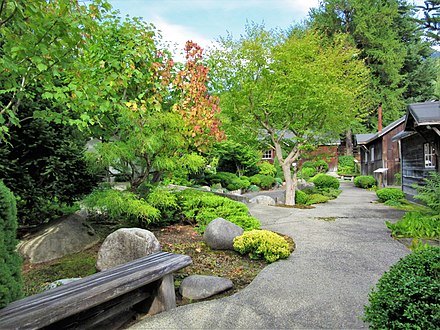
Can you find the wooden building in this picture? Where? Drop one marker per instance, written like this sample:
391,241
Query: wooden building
419,144
379,153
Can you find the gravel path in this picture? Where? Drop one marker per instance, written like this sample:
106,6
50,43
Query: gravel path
323,284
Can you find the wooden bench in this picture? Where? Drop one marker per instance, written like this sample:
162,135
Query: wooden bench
107,299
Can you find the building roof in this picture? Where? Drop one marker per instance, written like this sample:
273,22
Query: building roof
422,114
402,135
362,138
385,130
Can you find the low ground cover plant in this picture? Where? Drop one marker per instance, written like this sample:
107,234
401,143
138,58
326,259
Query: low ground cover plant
430,192
262,244
408,295
364,181
390,194
201,208
416,225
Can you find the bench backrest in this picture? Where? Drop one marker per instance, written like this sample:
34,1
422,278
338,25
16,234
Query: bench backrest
46,308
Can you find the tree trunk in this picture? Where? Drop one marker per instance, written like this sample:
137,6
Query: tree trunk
348,143
290,183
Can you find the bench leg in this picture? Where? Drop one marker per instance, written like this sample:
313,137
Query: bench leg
165,297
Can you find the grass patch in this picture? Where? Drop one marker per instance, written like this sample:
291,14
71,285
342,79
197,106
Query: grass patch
328,219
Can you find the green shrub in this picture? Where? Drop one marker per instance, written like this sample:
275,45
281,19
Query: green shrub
322,181
245,183
321,166
10,266
307,172
262,181
408,295
267,168
364,181
122,206
223,178
202,207
430,192
387,194
317,199
308,164
346,165
262,244
311,190
416,225
301,197
279,181
398,178
330,192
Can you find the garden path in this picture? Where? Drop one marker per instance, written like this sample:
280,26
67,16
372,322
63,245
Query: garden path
323,284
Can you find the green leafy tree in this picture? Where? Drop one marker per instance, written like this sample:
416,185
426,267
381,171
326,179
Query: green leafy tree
431,19
36,50
10,267
275,86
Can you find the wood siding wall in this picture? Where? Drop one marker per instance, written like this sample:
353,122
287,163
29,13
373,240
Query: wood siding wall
413,161
386,155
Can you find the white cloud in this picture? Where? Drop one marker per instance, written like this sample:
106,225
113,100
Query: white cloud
176,36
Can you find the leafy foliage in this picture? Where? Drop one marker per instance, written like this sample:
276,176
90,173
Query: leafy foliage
430,192
304,83
263,181
10,267
408,295
364,181
166,202
201,208
317,199
325,181
44,166
307,172
416,225
387,194
262,244
346,165
123,206
267,168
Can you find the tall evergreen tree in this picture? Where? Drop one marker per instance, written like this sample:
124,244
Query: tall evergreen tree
389,41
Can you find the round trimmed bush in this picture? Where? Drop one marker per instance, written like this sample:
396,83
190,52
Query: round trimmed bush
364,181
390,194
408,295
322,181
263,181
321,166
262,244
267,168
301,197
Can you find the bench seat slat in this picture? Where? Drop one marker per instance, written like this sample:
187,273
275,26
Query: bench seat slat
72,298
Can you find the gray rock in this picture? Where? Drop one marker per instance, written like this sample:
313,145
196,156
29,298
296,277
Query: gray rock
304,185
61,282
125,245
62,237
220,234
201,286
262,199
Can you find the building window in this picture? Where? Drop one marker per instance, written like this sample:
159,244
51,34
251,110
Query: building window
372,154
267,154
428,151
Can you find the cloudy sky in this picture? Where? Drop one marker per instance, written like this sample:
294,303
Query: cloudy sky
203,21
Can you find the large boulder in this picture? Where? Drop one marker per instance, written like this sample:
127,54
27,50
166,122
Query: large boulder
220,233
62,237
201,286
263,199
125,245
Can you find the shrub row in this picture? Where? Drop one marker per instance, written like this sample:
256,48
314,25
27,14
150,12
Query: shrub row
323,181
390,194
231,181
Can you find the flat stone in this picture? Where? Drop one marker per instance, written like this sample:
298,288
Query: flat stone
220,234
197,287
263,200
125,245
62,237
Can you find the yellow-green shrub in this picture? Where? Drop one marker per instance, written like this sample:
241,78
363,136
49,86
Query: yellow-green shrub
262,244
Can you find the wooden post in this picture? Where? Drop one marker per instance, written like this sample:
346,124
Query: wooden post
165,296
